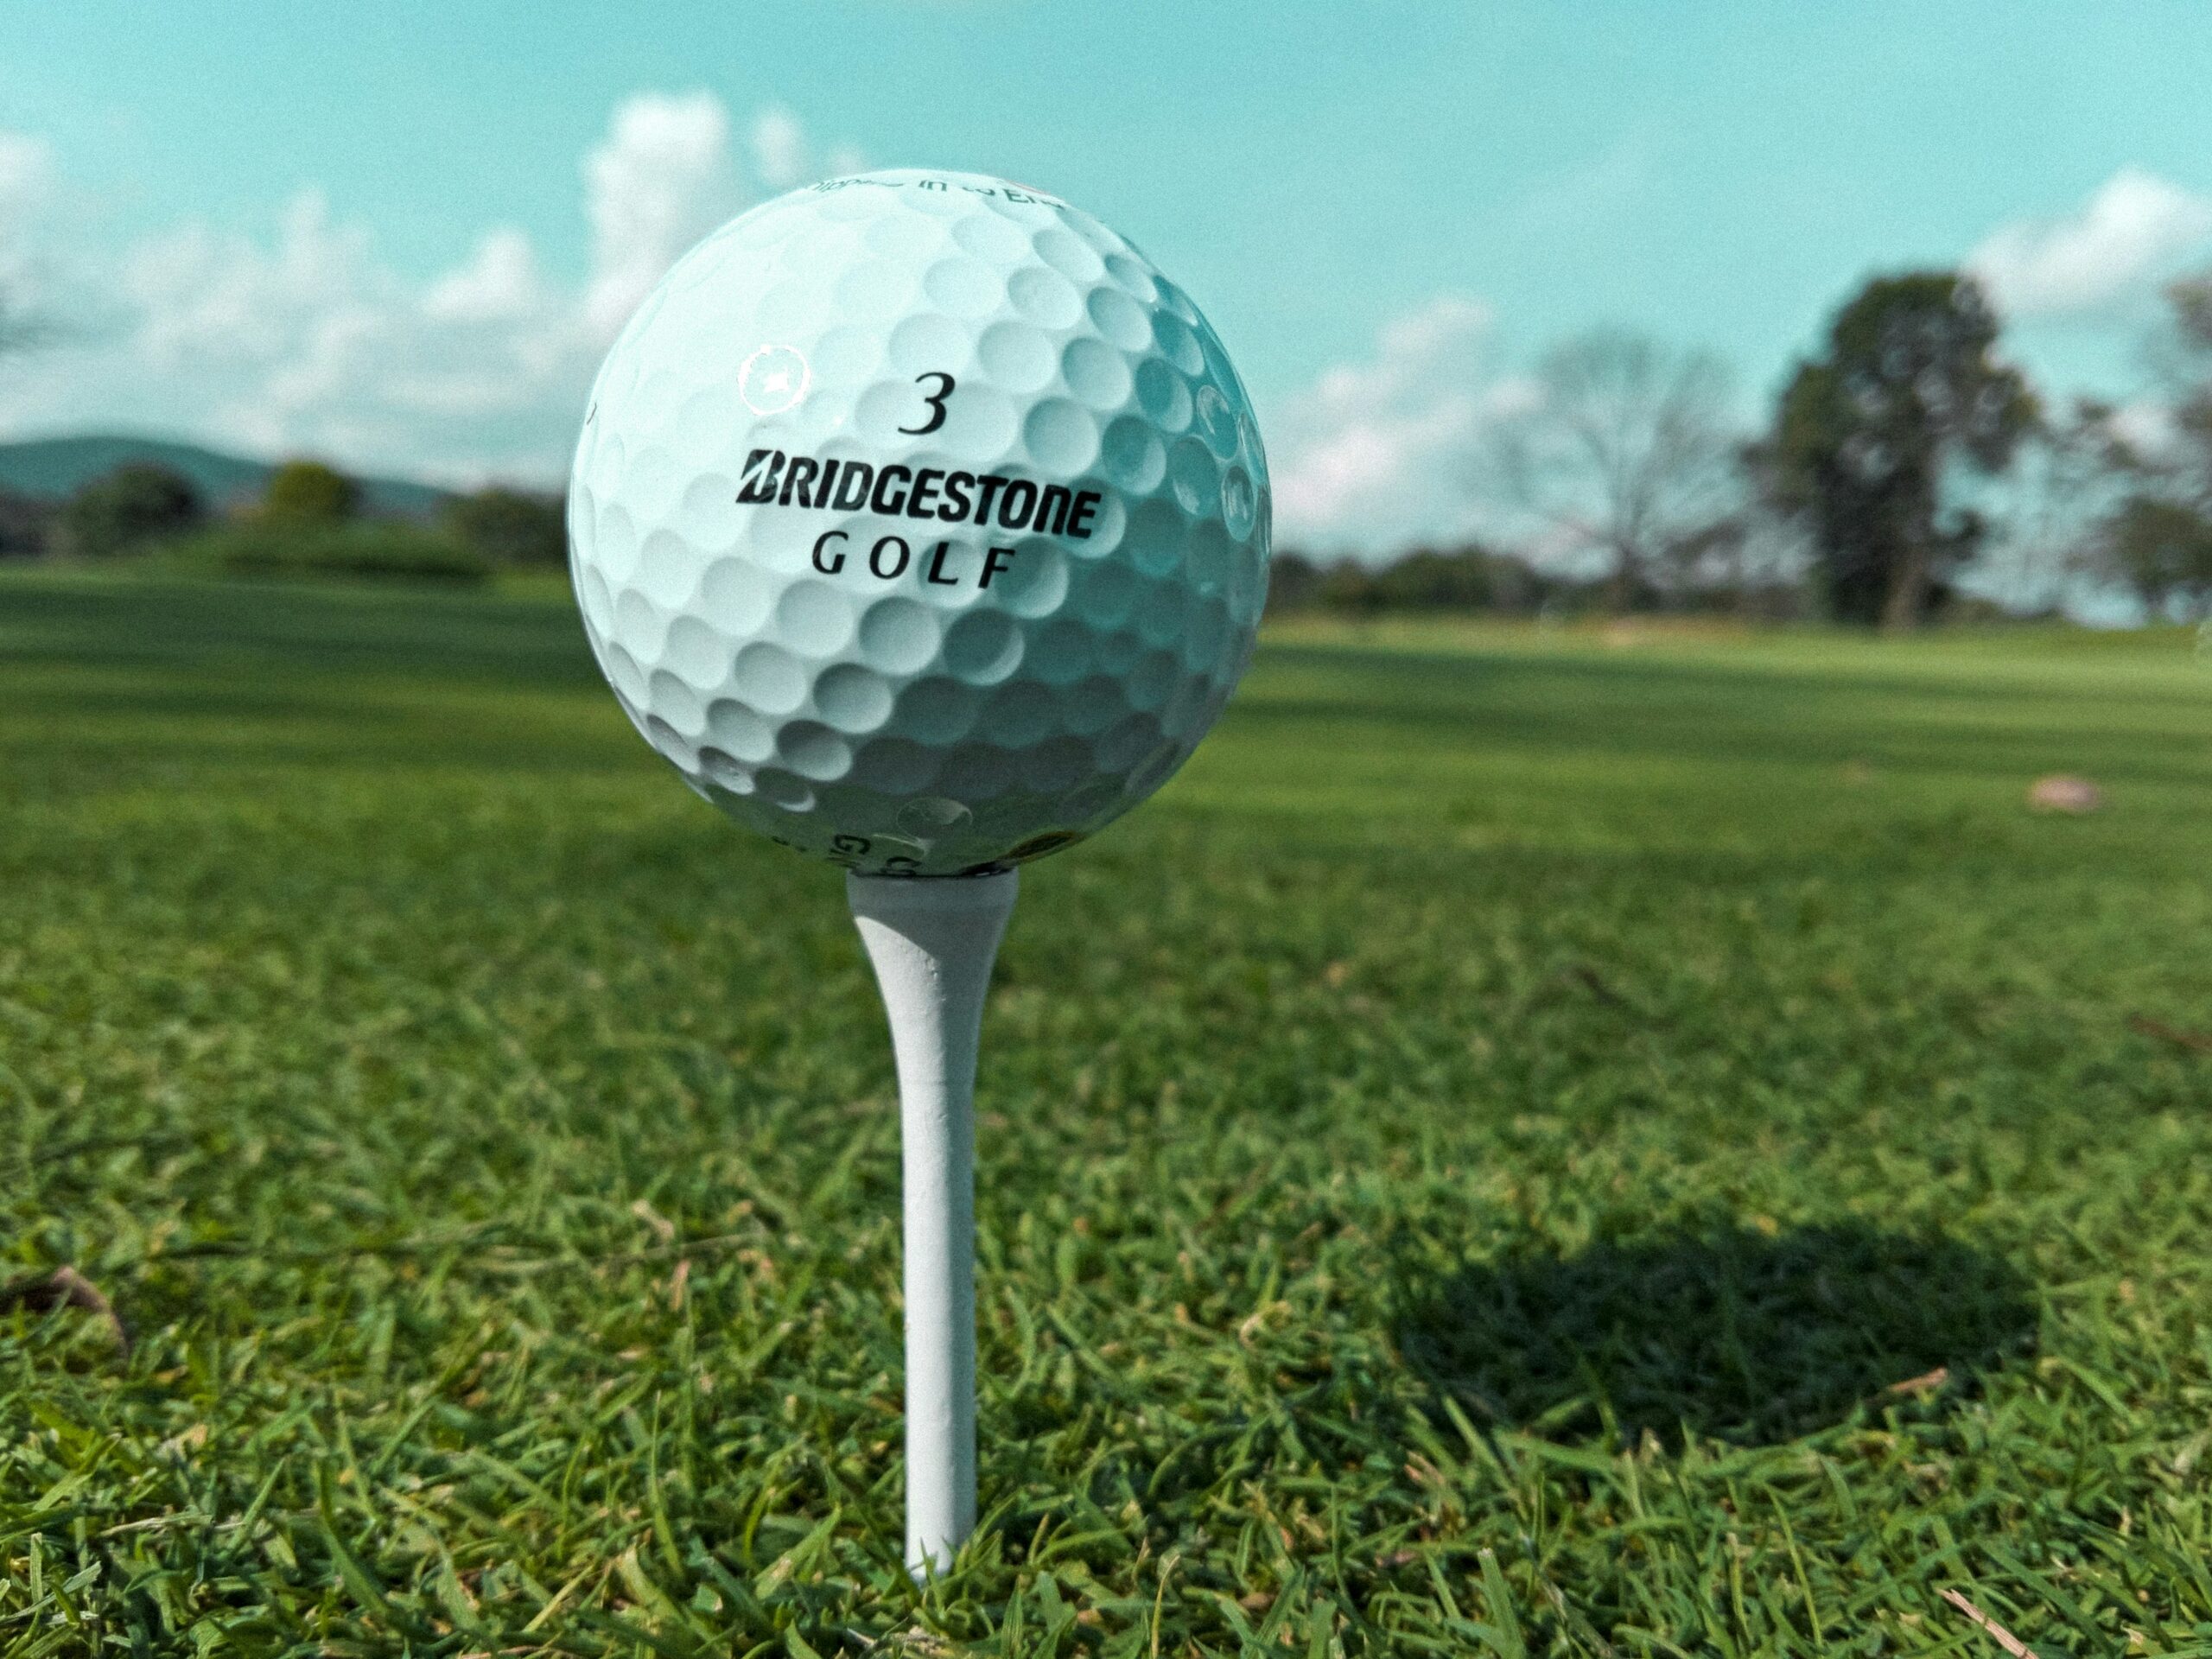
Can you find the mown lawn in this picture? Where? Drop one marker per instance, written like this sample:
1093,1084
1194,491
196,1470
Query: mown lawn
1531,1144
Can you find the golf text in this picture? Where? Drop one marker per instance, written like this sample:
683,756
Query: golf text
887,560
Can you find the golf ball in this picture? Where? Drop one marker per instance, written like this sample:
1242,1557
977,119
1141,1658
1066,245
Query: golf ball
920,522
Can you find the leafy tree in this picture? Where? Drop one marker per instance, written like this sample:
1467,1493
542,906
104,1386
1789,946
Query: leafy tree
1625,453
309,492
1867,436
2163,549
129,509
510,527
25,524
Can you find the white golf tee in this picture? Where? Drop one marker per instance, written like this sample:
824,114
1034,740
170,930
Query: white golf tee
933,940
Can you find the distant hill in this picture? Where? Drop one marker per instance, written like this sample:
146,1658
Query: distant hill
53,467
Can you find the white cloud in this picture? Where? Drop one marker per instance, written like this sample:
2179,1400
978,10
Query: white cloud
199,294
784,156
309,342
661,179
27,186
2134,230
498,281
779,147
2149,427
1386,452
25,173
305,339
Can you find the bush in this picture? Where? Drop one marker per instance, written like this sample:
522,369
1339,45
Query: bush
309,492
510,527
1294,582
1465,579
26,526
127,510
364,549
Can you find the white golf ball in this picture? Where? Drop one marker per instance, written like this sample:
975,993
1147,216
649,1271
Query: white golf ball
920,522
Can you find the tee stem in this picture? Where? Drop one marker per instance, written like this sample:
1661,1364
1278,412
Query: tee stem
932,941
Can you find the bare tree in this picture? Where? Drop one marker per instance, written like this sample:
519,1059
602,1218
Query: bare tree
2155,535
2181,360
2066,481
1625,452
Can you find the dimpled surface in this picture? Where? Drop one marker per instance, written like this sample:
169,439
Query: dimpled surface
874,684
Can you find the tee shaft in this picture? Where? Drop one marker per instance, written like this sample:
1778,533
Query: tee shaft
932,941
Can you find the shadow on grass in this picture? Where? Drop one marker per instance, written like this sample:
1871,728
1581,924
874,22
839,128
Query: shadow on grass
1731,1335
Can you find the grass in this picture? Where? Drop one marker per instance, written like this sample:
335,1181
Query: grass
1531,1145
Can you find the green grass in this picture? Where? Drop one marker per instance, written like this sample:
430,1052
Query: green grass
1464,1170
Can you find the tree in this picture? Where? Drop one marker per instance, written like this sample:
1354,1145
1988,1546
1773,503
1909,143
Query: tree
2153,530
2163,549
2175,461
1867,437
2188,358
25,524
126,511
2066,479
1625,453
309,492
510,527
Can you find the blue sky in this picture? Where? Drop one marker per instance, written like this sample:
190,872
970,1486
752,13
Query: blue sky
250,212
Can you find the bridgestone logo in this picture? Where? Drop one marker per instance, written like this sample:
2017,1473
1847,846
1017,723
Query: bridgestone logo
774,478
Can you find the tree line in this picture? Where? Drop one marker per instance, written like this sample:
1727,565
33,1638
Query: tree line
308,520
1621,484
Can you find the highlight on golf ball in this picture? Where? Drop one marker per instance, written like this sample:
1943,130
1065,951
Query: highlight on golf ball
920,522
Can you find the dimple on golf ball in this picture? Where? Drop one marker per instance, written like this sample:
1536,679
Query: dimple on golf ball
920,522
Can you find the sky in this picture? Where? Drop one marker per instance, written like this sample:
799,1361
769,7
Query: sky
400,235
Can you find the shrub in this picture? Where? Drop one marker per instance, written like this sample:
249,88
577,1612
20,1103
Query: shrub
26,526
309,492
127,510
367,550
1464,579
510,527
